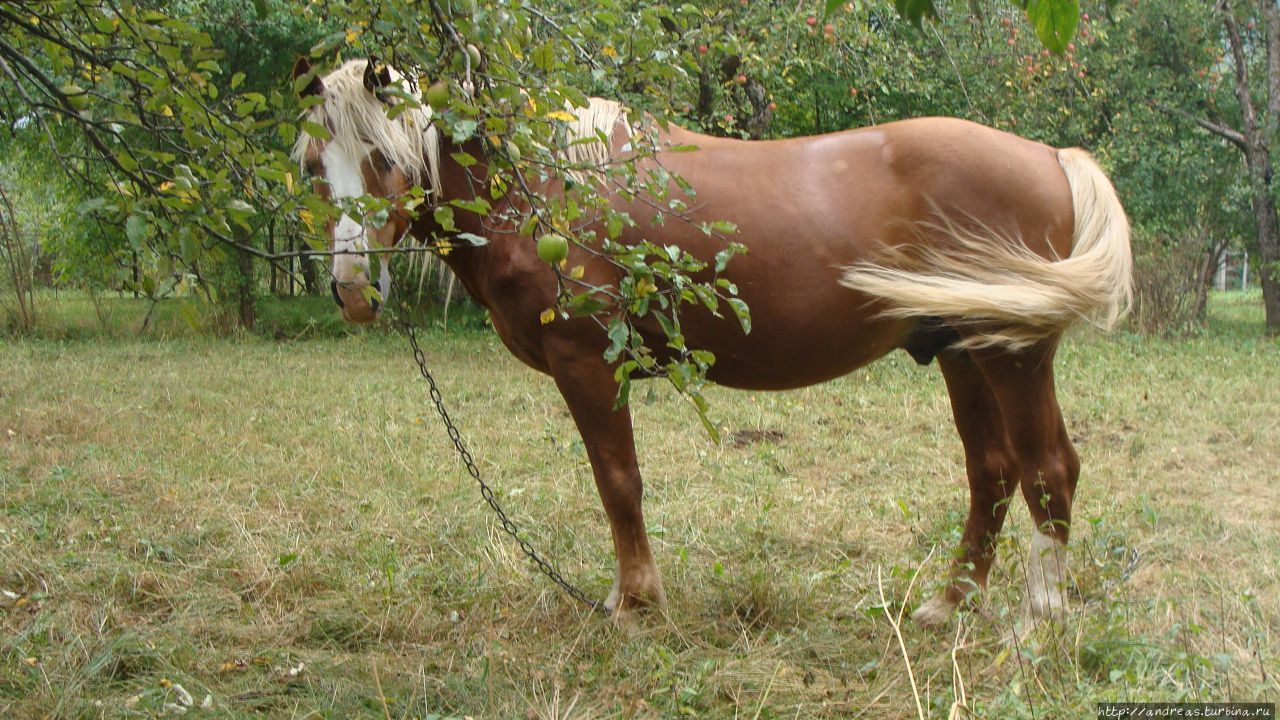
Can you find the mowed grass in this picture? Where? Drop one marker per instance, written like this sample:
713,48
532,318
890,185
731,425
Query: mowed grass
282,529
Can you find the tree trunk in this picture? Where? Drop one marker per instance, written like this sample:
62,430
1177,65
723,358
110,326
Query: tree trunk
1269,228
136,274
310,283
244,290
1264,216
760,120
1211,261
273,285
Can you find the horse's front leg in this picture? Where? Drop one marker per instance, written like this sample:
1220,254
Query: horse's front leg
588,386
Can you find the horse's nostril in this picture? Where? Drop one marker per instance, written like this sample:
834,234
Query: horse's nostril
333,287
376,304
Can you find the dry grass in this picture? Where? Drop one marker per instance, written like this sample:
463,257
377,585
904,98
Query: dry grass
282,527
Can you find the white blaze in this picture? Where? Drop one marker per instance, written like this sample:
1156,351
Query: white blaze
346,182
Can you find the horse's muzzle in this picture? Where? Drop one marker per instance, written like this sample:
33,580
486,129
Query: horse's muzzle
358,306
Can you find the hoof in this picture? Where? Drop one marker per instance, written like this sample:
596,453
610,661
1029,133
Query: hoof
639,597
937,611
1041,606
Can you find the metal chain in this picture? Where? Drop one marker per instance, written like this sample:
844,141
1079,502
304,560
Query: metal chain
487,492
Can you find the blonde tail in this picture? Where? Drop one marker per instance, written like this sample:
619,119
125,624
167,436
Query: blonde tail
1011,296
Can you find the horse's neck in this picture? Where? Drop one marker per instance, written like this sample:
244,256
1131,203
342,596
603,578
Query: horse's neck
467,262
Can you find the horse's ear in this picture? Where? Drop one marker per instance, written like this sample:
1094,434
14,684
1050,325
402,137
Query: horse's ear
376,75
303,69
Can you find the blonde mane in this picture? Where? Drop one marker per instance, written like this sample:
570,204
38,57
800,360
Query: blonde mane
357,119
599,116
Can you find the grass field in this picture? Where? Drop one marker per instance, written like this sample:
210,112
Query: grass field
281,529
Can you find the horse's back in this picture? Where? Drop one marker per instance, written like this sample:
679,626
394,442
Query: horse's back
850,191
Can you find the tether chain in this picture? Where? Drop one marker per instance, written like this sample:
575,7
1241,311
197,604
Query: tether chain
487,492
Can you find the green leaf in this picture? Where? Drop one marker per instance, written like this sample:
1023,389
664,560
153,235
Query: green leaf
742,311
623,377
444,217
700,403
135,228
724,256
188,248
619,333
915,11
529,225
125,158
724,226
479,206
671,330
544,56
319,132
463,130
1055,21
397,110
831,6
586,304
918,10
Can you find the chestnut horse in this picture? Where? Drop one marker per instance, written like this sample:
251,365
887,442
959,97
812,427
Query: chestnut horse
938,236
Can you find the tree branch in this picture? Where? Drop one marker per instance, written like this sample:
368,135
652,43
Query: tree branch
1235,137
51,88
1271,22
1247,109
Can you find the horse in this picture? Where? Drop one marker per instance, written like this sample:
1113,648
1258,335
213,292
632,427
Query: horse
949,239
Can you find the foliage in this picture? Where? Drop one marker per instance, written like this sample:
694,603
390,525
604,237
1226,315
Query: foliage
18,254
166,146
1171,285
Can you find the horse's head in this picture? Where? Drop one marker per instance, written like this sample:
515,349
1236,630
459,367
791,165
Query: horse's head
365,154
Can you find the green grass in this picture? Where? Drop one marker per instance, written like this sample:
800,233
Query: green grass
219,513
78,315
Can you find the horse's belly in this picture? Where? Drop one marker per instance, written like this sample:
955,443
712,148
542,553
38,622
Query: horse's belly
805,353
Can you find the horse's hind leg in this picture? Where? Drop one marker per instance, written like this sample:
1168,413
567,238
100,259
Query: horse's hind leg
1022,383
993,476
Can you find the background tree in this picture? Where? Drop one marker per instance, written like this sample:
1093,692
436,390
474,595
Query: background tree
1255,73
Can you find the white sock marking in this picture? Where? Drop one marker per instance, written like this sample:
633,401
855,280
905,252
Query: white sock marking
1046,575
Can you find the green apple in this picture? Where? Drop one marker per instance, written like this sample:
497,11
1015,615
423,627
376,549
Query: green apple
553,248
